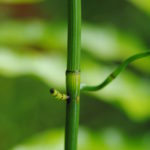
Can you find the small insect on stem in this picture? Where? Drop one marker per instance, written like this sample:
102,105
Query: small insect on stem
58,95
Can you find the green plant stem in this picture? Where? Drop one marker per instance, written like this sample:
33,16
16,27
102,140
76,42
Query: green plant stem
73,74
115,73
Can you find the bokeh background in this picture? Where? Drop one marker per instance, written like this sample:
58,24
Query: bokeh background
33,39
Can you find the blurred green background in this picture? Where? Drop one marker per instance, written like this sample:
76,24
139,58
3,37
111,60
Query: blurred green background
33,39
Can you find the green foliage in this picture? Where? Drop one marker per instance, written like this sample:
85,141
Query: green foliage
144,4
49,67
110,139
32,59
20,1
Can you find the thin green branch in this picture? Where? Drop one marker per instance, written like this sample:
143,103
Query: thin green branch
115,73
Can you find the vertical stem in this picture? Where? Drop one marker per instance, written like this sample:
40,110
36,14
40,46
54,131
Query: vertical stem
73,74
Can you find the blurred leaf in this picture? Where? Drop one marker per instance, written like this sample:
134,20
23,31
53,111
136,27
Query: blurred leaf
104,43
19,1
27,108
109,139
130,91
13,64
37,49
142,4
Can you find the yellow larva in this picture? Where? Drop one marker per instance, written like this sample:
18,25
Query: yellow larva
58,95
